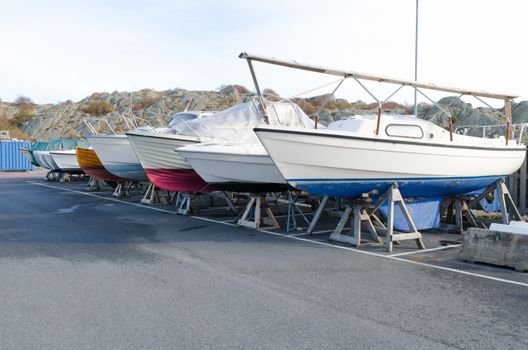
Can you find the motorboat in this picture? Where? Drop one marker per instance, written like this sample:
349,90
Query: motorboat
117,156
91,165
165,168
367,154
348,160
116,152
53,145
235,160
66,161
235,167
36,146
44,160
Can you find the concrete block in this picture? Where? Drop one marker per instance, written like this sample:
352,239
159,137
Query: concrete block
495,247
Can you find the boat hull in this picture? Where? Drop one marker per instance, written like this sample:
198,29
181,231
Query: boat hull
66,161
236,168
44,160
333,164
164,167
178,180
91,165
118,156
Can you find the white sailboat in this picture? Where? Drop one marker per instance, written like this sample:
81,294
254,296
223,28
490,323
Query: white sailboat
363,154
348,160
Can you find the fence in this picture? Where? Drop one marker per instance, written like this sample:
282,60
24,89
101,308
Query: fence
517,187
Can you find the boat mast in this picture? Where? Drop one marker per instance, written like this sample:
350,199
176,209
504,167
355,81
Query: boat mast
508,113
257,89
507,98
416,62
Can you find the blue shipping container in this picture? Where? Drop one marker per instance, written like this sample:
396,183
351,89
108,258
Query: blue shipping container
11,158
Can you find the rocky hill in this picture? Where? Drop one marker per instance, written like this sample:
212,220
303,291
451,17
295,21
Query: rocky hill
66,119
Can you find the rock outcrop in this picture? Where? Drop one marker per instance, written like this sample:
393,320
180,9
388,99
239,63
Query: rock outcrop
66,119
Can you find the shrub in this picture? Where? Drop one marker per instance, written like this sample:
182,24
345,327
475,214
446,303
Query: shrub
241,89
339,104
23,101
306,106
6,123
145,102
269,92
97,107
26,110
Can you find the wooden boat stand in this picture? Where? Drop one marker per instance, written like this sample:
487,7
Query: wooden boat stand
156,196
356,211
123,189
94,185
362,212
184,201
460,207
317,215
253,214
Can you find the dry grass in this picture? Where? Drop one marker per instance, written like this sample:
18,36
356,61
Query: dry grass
6,123
97,107
306,106
145,102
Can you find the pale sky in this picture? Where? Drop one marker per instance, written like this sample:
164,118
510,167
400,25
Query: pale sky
53,51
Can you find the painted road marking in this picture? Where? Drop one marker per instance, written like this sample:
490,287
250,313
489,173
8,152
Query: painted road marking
427,250
394,257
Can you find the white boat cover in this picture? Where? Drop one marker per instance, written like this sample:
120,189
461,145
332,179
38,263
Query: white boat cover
236,124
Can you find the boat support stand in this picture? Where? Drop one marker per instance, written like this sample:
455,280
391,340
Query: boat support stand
123,189
317,214
464,204
293,211
363,212
356,211
156,196
253,215
183,203
94,185
336,211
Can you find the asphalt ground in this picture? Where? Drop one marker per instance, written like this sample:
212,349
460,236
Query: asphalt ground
87,271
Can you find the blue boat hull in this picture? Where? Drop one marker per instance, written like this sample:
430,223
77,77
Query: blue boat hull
409,187
128,171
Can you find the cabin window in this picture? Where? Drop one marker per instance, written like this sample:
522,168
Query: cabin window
404,130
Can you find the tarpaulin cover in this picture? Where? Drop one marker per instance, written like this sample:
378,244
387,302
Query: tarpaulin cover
489,203
236,124
424,212
65,144
54,145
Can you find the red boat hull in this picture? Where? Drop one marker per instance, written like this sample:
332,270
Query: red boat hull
178,180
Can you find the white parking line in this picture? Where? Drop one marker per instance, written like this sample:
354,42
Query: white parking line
427,250
394,257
